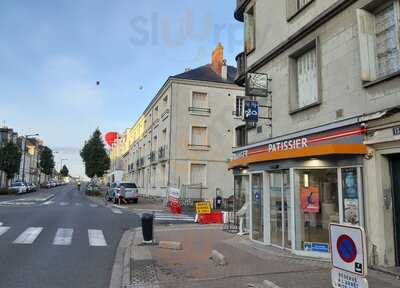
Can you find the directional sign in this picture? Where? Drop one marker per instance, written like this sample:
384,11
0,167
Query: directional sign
348,249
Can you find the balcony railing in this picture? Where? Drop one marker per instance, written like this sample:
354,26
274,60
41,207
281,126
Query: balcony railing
200,110
153,157
164,115
240,7
162,153
241,69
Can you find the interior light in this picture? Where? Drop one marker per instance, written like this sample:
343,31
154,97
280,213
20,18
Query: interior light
306,181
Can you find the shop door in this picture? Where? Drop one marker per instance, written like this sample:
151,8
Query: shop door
395,169
279,208
257,207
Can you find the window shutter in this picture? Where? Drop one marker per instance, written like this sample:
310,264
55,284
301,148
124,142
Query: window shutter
366,35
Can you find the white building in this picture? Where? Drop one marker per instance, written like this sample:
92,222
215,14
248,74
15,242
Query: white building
186,133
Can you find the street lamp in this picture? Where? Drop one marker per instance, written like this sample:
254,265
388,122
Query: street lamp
23,164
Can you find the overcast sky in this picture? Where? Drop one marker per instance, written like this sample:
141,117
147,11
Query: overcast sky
53,52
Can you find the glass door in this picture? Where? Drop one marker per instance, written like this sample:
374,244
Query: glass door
280,208
257,207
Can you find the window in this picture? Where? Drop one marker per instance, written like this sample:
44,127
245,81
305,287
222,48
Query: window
156,113
239,106
241,136
379,41
293,7
304,77
198,174
250,30
163,173
199,100
199,136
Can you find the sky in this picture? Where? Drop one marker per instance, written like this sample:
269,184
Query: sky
52,53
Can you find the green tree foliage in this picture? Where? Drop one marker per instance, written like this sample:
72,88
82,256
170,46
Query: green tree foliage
47,161
64,172
10,159
95,156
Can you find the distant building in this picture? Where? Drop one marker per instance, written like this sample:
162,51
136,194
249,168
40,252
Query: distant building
185,135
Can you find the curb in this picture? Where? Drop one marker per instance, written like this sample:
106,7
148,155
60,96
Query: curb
119,262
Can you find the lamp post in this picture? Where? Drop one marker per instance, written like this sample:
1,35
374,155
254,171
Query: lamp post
23,164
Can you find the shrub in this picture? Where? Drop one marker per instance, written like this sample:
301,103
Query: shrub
4,191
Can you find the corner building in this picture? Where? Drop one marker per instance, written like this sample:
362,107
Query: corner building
329,152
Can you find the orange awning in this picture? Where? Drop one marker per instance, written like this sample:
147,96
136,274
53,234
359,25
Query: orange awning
312,151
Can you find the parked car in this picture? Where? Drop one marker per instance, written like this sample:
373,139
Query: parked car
128,191
19,187
91,187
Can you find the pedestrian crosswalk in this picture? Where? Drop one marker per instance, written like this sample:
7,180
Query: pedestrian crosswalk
62,237
168,217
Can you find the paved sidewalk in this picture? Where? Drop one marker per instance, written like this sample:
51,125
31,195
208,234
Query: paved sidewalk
249,265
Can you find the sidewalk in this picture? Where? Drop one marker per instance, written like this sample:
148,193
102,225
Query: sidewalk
248,264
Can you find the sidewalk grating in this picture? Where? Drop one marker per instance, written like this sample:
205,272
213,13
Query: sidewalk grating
143,274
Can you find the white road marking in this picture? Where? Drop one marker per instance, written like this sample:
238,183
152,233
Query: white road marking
28,236
63,236
78,204
64,203
1,223
96,238
270,284
94,205
3,229
48,202
116,211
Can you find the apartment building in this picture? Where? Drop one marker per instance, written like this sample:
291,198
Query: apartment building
185,135
328,148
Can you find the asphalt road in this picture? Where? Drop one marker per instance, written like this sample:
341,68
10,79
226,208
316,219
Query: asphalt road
67,241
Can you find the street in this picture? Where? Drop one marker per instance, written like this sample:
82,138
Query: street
67,241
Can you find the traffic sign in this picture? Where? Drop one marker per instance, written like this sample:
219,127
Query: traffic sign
341,279
348,249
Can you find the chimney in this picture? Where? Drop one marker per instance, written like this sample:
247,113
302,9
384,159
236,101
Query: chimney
224,71
217,59
188,69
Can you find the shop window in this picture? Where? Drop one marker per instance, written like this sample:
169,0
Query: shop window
379,40
250,30
317,205
350,192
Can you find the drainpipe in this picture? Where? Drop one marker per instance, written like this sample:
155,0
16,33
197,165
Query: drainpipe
170,131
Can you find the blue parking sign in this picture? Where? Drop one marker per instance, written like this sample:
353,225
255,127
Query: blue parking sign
251,111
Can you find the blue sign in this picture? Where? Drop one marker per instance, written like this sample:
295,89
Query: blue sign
316,247
258,195
251,111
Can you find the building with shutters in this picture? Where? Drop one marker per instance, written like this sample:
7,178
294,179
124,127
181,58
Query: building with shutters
185,135
327,144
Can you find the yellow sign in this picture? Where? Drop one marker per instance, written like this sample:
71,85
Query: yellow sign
203,207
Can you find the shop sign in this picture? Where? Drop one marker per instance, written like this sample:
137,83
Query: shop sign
316,247
310,199
257,84
288,145
251,111
348,246
341,279
396,131
203,208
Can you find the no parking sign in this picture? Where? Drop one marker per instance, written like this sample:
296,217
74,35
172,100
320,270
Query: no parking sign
349,257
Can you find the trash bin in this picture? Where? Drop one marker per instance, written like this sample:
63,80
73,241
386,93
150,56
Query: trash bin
147,227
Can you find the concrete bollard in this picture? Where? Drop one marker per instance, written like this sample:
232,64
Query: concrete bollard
170,245
218,258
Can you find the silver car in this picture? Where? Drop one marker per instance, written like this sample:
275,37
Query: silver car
125,190
19,187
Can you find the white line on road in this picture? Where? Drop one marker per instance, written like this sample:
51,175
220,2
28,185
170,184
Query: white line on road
1,223
63,236
48,202
116,211
94,205
3,229
64,203
269,284
28,236
96,238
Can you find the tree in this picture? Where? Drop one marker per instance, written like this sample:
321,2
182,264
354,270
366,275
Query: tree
64,172
95,156
47,161
10,160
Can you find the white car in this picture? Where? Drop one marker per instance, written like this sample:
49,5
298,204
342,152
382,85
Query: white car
19,187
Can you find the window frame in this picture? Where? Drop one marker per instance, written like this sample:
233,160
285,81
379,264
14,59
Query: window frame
293,9
206,146
254,31
242,99
293,76
204,164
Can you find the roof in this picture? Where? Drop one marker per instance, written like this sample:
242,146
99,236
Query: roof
206,73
